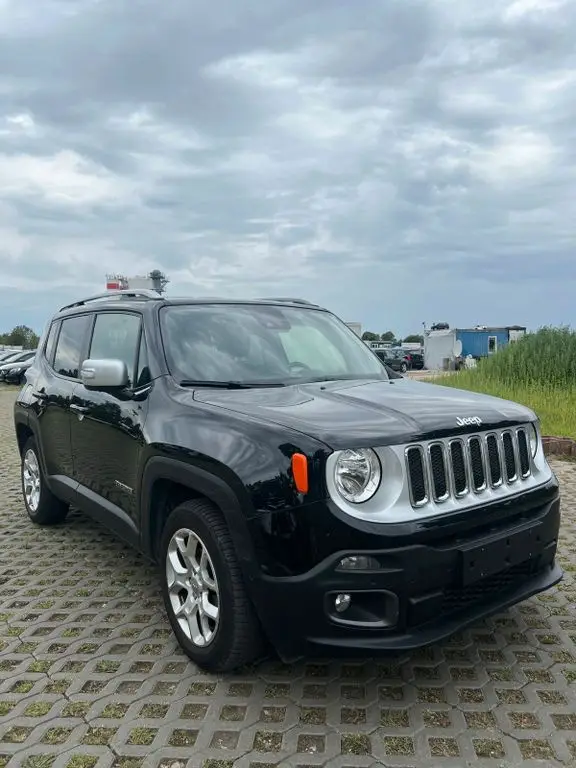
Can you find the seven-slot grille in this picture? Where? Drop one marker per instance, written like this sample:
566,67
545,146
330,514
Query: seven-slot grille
459,466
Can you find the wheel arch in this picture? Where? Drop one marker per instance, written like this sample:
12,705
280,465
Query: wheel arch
171,480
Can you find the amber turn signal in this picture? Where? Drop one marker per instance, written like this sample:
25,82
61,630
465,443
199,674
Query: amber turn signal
300,472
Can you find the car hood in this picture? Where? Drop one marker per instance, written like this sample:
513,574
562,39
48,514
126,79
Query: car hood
368,413
9,366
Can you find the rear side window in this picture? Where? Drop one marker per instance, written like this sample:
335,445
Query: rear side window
51,342
116,337
71,345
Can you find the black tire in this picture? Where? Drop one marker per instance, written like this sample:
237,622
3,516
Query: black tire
238,638
50,510
403,367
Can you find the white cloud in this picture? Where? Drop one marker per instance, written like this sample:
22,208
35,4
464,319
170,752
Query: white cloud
16,125
65,178
515,156
520,8
143,123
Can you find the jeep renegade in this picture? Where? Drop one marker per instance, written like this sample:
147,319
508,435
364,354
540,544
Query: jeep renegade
288,486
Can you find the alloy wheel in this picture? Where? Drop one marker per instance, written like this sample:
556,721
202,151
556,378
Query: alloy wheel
31,480
193,587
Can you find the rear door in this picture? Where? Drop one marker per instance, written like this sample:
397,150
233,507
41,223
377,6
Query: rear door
52,384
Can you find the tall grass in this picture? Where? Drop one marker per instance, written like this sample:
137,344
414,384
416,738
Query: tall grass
539,371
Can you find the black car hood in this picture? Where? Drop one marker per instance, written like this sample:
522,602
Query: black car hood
365,413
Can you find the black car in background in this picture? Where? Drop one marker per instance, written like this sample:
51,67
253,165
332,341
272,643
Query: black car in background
415,360
401,360
394,358
13,368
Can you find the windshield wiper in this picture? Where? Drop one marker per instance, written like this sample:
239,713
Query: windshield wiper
324,379
228,384
211,383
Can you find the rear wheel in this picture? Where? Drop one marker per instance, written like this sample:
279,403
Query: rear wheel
42,506
203,590
403,367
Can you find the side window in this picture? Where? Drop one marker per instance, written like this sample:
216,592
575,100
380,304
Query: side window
71,345
143,376
51,342
116,336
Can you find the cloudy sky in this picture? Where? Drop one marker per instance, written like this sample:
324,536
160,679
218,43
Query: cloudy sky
399,161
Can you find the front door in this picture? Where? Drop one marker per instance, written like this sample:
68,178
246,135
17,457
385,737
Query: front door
107,430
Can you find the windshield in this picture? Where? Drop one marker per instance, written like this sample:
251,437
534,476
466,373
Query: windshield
262,345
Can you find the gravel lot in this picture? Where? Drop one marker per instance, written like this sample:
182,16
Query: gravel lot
90,674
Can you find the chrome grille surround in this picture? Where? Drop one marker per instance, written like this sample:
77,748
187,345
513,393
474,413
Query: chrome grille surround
469,465
397,500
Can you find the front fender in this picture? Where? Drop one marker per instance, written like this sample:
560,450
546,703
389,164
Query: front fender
206,484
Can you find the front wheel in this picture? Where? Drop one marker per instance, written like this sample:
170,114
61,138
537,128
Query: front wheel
403,367
203,590
42,506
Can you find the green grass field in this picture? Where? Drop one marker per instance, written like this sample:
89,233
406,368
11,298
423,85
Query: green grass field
538,371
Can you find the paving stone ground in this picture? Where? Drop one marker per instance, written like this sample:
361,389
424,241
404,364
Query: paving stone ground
91,676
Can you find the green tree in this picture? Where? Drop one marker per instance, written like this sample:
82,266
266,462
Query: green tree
21,336
388,336
369,336
414,339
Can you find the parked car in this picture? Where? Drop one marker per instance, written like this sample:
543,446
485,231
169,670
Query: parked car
414,359
12,369
7,354
289,490
15,373
394,358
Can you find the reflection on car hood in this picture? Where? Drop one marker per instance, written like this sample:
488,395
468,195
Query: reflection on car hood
363,413
9,366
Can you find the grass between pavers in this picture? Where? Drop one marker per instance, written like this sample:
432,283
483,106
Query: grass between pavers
538,371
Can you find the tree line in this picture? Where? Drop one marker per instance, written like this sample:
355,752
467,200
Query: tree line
390,336
20,336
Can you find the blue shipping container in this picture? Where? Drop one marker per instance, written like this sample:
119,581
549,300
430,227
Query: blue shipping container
480,342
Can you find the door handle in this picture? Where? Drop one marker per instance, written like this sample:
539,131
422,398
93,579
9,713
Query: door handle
78,408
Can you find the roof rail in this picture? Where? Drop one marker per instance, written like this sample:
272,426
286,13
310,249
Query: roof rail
287,300
128,293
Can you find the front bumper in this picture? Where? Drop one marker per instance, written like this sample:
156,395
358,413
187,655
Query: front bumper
421,594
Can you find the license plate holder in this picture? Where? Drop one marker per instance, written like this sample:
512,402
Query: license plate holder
485,560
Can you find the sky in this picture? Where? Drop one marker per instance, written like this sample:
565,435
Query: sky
398,161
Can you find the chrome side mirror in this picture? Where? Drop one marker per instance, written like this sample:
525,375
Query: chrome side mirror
104,374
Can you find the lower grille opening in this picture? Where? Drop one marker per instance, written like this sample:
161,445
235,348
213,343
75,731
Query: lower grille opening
483,591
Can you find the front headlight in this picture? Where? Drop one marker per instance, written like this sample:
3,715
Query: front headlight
534,439
357,475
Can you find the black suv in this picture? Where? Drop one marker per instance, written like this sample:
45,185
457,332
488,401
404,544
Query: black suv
289,489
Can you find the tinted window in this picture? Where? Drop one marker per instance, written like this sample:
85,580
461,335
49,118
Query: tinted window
71,345
115,337
143,376
51,342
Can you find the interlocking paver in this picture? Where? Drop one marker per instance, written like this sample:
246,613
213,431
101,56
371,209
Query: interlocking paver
91,677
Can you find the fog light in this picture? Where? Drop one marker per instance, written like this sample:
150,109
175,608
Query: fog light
358,563
342,603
